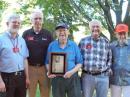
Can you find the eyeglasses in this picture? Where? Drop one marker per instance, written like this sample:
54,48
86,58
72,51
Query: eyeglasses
38,18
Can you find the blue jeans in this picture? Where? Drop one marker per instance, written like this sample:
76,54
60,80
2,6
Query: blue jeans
100,83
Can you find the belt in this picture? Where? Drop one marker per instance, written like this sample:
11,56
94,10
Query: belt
94,73
13,73
37,65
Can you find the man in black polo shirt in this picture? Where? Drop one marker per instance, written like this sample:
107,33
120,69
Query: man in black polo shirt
37,40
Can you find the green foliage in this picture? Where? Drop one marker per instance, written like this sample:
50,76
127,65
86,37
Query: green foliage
74,12
3,6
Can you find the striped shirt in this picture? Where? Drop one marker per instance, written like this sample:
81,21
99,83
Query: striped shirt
97,55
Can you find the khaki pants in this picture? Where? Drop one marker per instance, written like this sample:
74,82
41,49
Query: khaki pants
37,76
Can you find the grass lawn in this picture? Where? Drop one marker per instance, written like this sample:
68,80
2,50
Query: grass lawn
38,93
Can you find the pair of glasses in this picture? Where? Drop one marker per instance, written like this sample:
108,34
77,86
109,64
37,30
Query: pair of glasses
38,18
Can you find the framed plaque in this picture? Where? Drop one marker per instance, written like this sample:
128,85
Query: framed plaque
57,63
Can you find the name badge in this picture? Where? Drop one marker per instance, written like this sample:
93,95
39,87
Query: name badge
15,49
30,38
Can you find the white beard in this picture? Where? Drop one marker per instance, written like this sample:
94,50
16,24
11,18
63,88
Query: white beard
122,42
14,31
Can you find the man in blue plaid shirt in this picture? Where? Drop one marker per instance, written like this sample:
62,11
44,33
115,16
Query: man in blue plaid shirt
97,58
120,79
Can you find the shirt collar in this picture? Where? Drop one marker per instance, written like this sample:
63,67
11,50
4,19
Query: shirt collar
36,32
125,44
94,39
9,34
68,43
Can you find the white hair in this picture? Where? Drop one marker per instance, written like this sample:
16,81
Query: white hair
36,11
94,22
13,16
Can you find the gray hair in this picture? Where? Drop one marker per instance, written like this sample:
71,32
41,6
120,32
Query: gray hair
93,22
13,16
36,11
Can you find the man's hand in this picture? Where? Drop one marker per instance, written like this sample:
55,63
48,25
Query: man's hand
27,82
110,72
51,75
71,72
68,74
2,87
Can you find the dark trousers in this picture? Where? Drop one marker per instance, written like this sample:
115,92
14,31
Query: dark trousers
2,94
15,85
70,87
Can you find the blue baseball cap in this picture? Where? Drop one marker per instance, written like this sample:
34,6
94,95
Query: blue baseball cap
62,25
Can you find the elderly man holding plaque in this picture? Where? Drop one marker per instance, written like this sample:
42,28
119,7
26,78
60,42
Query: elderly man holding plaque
66,54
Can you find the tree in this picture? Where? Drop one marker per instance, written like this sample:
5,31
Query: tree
3,6
102,9
117,7
79,12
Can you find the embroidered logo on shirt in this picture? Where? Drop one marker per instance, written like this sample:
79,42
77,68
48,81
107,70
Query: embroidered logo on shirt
88,46
44,38
30,38
15,49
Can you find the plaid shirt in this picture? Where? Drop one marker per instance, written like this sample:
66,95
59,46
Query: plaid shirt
97,55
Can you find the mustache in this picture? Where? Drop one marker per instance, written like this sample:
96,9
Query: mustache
122,41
